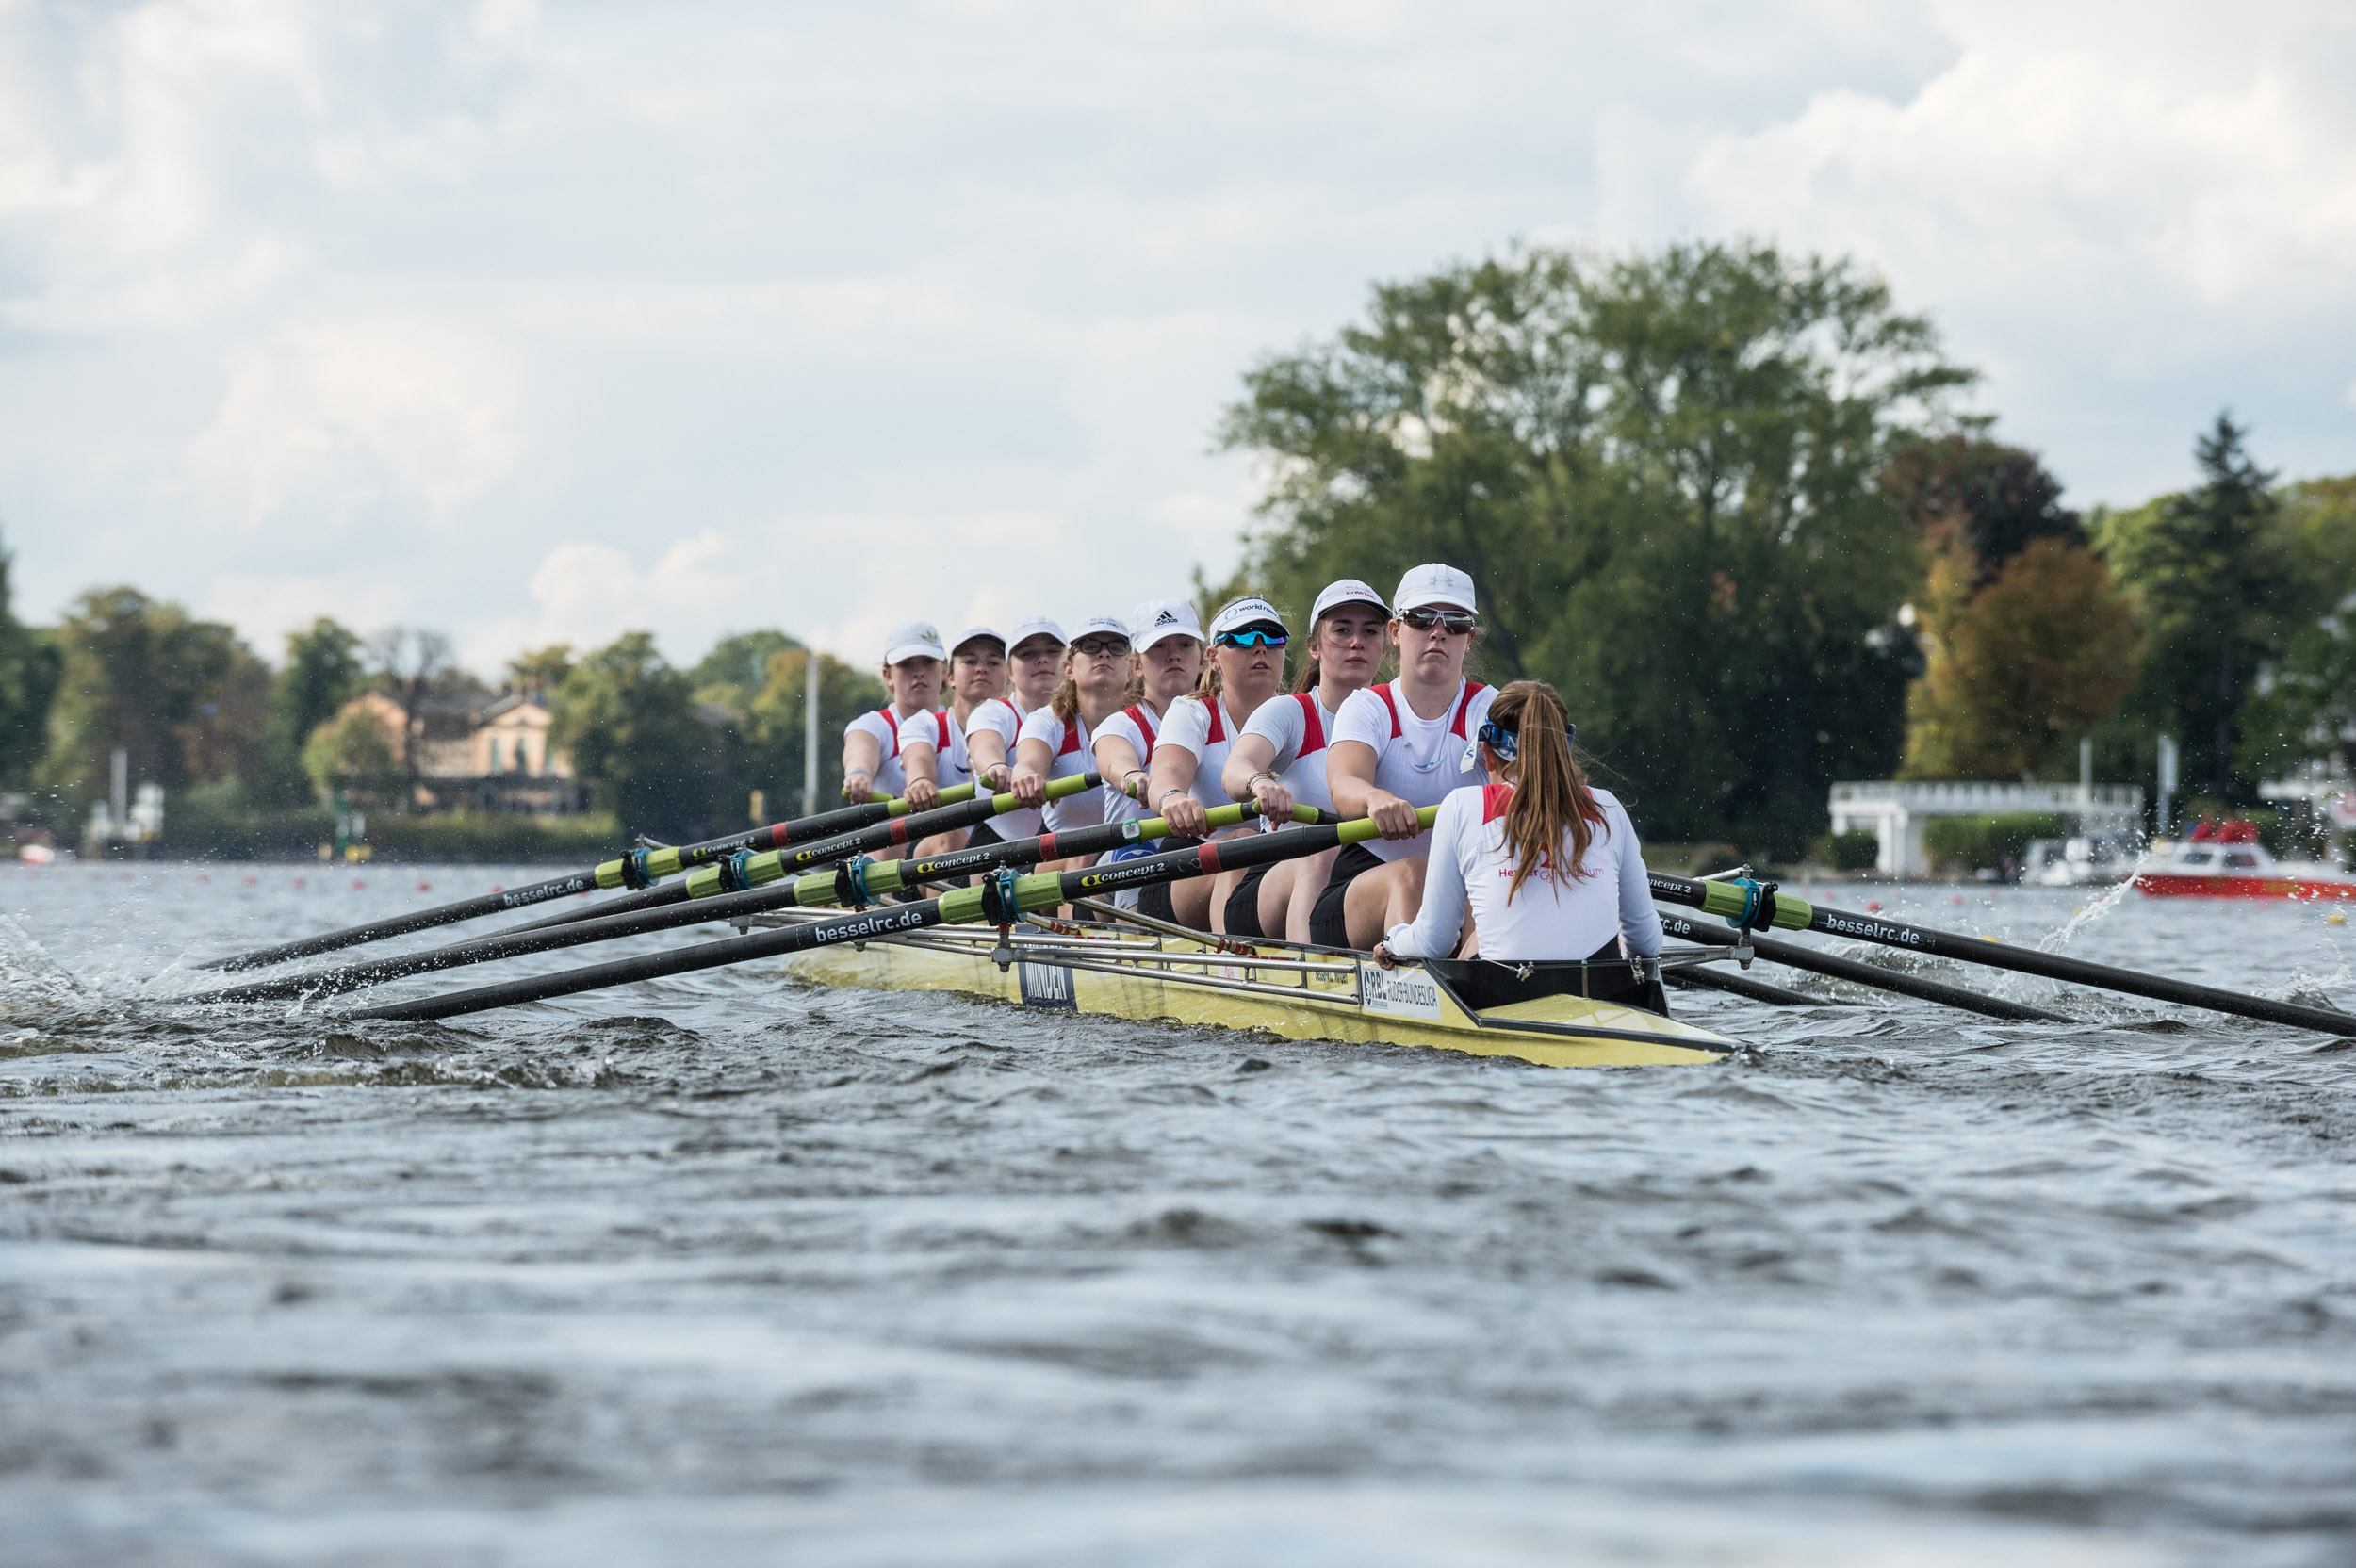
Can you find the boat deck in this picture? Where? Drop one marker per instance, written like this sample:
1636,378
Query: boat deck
1295,992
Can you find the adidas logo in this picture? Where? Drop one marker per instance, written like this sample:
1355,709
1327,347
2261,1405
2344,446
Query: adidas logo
1167,617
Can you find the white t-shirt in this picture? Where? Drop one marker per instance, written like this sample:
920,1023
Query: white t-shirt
1136,724
937,728
1209,733
998,716
891,779
1068,750
1418,760
1298,725
1553,917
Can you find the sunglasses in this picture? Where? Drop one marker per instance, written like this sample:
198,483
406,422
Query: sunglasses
1103,647
1458,621
1251,637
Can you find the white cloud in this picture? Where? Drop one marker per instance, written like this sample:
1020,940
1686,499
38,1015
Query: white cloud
341,417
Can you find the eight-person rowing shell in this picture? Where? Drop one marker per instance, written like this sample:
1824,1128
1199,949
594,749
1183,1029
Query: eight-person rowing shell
1527,863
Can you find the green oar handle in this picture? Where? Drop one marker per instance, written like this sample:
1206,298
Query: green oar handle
1042,891
1725,898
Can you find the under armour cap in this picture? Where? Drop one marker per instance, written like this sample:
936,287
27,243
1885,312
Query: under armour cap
914,640
973,633
1244,612
1432,583
1155,619
1348,591
1034,625
1101,626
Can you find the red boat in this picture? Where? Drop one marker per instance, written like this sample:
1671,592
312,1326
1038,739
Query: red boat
2227,863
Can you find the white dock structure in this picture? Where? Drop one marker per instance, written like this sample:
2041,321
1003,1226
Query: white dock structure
1895,810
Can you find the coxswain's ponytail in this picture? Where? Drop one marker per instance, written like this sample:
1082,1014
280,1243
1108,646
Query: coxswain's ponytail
1551,800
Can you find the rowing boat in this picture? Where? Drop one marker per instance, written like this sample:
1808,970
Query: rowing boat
1150,972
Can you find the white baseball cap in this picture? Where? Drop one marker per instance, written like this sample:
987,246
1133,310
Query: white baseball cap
1348,591
1244,612
973,632
1034,625
1155,619
1432,583
1106,624
914,640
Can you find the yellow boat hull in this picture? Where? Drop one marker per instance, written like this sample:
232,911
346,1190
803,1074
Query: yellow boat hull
1297,994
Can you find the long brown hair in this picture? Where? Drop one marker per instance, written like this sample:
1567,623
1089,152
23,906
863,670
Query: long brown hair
1313,670
1064,704
1550,797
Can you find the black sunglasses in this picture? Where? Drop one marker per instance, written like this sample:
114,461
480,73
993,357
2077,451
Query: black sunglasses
1423,619
1098,648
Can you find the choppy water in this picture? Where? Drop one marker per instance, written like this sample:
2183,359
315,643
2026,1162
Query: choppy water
725,1270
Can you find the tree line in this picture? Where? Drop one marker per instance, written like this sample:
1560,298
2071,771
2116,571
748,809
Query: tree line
1730,503
670,752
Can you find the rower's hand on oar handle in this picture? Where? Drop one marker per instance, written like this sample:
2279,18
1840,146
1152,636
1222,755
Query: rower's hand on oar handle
1393,817
1274,800
1133,784
1184,814
1028,787
859,787
923,794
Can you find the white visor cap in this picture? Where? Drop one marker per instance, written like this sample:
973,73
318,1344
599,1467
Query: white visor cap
1101,626
1244,612
1432,583
914,640
1034,625
1155,619
1348,591
970,632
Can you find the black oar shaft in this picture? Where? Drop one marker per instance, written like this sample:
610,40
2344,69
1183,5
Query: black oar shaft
1793,955
1742,986
422,920
1038,893
2023,960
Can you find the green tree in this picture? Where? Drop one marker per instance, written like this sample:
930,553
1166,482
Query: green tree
2217,583
737,668
323,671
1978,500
30,669
774,733
541,670
183,696
631,726
2043,653
352,753
1662,470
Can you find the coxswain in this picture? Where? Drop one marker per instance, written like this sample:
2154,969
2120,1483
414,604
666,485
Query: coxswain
1246,668
1548,866
1397,747
1164,661
1280,760
912,662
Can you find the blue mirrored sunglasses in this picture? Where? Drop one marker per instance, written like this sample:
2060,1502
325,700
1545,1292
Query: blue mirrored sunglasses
1251,637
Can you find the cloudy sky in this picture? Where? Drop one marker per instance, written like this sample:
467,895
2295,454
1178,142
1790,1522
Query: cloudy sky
536,322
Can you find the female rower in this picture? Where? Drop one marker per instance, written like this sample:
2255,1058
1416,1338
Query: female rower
993,732
1164,661
1396,746
1548,866
933,746
1247,668
1279,759
1054,741
912,662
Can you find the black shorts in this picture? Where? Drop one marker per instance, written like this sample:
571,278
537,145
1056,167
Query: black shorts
1153,898
1327,928
1243,906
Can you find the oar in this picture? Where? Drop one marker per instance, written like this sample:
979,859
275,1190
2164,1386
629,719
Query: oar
998,901
1742,986
1793,955
640,868
745,869
857,885
1731,900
